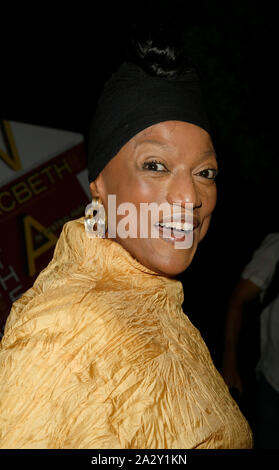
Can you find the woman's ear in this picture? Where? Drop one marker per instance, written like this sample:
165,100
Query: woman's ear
94,189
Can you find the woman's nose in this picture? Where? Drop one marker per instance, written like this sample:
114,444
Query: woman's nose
183,189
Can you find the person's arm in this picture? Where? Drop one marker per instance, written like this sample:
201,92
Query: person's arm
244,292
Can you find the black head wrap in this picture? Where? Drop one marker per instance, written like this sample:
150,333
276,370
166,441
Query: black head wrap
131,101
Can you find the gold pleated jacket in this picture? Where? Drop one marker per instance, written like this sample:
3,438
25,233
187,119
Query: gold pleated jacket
99,354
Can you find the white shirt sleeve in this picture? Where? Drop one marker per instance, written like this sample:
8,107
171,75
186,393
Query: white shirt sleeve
262,266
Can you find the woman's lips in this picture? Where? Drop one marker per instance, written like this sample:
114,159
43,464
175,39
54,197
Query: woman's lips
188,218
172,235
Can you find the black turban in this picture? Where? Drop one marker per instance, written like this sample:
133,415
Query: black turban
131,101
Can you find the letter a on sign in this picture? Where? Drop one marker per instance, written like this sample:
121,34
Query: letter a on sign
12,157
32,252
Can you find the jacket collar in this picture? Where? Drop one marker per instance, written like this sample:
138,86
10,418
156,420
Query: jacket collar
103,258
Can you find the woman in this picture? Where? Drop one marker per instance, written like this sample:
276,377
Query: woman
98,353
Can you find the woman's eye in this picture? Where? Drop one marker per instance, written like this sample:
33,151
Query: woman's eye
209,173
153,166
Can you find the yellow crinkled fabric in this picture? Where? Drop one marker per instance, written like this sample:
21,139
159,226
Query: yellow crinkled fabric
99,354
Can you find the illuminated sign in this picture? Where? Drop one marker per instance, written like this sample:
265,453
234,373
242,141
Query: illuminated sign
35,204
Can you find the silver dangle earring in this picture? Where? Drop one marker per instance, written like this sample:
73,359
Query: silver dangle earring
95,220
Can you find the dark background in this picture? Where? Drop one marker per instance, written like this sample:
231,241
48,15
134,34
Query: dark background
53,67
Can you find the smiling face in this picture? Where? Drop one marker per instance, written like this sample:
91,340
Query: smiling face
174,163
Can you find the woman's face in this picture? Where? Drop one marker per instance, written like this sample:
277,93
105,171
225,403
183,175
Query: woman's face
174,163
